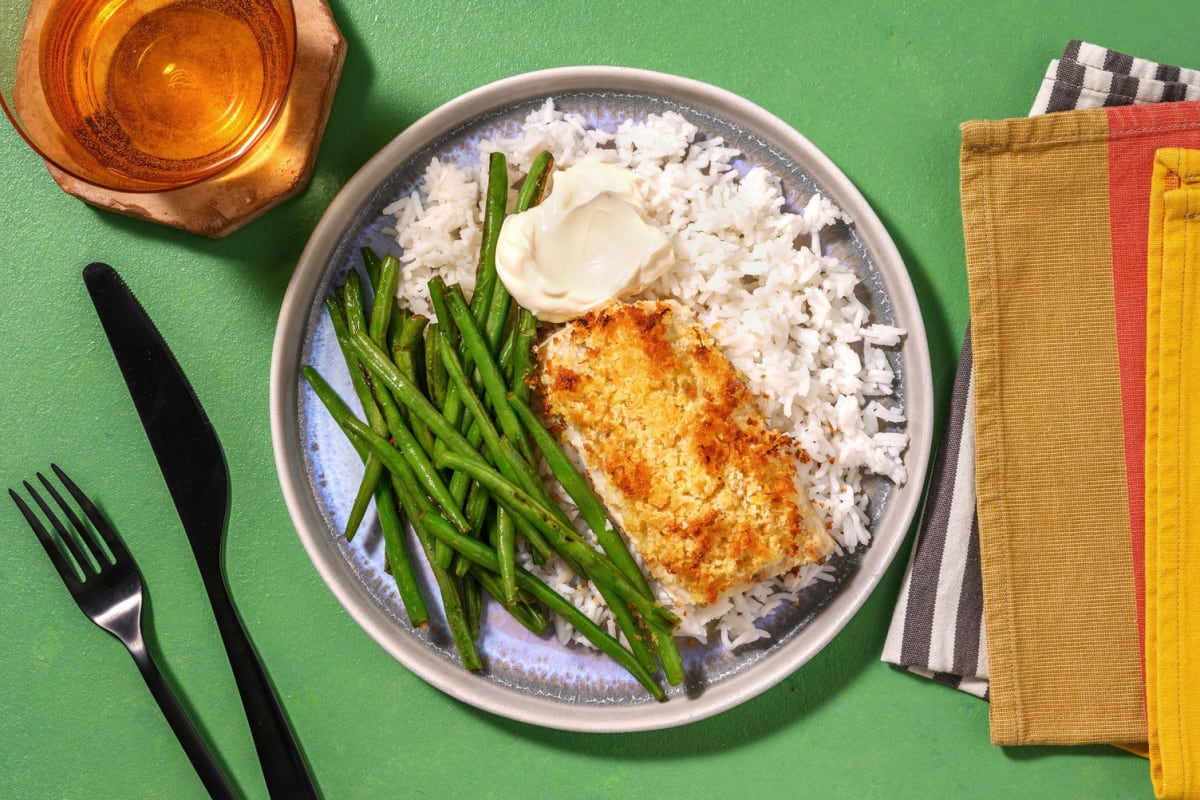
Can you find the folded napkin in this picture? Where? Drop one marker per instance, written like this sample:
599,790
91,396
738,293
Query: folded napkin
1088,76
1052,208
937,627
1173,475
938,621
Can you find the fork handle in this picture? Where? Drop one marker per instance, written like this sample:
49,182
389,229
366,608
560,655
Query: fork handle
206,766
279,754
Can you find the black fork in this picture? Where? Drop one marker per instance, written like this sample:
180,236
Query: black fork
107,586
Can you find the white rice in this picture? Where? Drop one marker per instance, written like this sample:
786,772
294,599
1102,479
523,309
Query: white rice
786,315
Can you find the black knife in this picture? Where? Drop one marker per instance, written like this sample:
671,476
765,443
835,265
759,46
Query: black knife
189,455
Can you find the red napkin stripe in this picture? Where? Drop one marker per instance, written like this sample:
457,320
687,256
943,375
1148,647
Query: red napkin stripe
1129,213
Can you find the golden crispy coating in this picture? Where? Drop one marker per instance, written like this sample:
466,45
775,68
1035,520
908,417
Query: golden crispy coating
678,450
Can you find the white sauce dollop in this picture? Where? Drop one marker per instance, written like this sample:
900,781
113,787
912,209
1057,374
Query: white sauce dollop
588,243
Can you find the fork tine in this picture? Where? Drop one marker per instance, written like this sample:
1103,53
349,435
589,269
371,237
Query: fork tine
68,541
85,535
116,545
56,555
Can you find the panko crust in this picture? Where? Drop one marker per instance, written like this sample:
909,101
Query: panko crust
678,449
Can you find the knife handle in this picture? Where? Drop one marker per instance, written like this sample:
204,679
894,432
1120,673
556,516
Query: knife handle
283,766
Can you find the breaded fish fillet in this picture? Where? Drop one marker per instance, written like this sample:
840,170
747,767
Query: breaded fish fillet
678,450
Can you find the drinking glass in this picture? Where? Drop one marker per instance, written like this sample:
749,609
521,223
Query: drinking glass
144,95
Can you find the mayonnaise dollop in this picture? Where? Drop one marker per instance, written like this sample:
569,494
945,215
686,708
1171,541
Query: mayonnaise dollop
588,243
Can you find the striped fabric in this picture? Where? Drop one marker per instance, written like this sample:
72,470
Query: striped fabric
937,628
1088,76
938,618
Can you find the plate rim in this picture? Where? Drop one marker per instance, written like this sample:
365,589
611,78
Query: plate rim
459,683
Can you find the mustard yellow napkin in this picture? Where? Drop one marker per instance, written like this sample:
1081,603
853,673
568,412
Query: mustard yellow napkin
1173,475
1055,554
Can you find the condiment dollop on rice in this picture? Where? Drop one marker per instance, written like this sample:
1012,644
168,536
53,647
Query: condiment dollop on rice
784,313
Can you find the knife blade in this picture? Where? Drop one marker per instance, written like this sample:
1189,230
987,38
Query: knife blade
189,455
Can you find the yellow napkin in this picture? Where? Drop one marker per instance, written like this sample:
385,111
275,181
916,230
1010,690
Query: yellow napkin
1173,475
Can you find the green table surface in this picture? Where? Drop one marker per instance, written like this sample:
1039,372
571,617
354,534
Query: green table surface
879,87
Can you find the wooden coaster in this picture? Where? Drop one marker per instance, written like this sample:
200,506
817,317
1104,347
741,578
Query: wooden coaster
275,170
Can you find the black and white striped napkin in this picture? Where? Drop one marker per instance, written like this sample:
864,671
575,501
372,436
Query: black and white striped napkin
937,627
1088,76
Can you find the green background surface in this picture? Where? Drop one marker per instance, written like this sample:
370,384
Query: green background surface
879,87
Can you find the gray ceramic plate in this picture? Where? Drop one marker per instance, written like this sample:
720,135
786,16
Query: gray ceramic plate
529,678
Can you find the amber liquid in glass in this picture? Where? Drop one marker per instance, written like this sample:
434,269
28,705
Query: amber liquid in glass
165,92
